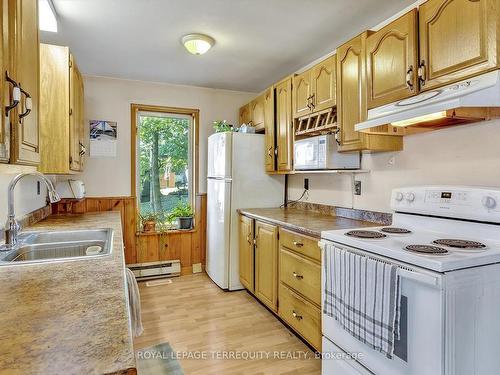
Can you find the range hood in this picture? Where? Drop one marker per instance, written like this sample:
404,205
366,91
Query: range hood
469,100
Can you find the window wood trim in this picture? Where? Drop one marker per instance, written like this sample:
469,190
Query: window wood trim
194,113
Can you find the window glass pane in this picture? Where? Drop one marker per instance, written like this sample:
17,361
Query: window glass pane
163,163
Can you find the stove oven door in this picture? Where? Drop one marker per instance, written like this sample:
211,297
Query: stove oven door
420,349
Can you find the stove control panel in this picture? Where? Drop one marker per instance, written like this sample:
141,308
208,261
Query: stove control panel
470,203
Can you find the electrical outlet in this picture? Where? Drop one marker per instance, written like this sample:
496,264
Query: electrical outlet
306,184
357,187
38,188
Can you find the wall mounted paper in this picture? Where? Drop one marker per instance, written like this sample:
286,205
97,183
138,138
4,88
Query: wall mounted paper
103,135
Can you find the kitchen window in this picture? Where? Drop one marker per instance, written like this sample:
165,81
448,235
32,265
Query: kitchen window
164,161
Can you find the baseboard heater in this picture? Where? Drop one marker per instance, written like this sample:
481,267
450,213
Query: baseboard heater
155,270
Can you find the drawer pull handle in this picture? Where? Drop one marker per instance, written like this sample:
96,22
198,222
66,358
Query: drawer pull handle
297,276
298,244
296,316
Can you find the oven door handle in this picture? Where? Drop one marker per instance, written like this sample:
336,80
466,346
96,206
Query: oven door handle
419,277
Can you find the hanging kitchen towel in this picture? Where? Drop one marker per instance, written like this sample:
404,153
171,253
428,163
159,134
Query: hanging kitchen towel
363,295
134,300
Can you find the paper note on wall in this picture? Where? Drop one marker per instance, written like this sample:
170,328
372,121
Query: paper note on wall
103,136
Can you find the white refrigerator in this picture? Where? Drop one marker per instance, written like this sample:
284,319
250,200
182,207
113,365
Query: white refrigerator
236,179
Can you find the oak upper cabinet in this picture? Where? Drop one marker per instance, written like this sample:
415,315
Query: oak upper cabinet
266,264
269,127
246,253
61,111
352,101
284,125
245,114
257,112
5,91
302,94
323,84
24,48
391,61
458,39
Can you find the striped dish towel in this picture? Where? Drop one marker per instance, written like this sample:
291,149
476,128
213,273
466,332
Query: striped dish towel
363,295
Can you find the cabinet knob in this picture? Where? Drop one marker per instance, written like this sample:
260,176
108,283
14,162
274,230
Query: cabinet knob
296,316
298,244
422,76
409,78
297,276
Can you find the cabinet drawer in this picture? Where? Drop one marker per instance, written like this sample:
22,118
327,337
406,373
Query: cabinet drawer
304,245
301,274
301,315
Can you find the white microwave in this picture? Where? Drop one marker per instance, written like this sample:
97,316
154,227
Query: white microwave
321,152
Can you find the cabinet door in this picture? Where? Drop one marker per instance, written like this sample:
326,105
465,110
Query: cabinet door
351,92
458,39
25,47
266,264
302,92
323,84
246,254
81,121
245,114
269,130
74,117
4,91
391,57
284,125
257,107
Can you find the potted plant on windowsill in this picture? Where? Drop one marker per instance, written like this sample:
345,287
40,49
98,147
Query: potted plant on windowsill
184,215
149,221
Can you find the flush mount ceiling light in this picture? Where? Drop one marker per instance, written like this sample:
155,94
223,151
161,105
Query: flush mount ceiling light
47,20
197,44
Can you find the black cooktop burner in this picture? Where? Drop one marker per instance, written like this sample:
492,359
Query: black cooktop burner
459,244
394,230
426,249
367,234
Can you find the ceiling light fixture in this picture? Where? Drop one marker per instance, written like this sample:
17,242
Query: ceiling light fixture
47,16
197,44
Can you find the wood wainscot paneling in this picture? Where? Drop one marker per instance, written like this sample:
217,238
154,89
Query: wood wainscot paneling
187,246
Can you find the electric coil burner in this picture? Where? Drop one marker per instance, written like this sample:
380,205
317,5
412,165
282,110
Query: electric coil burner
394,230
368,234
459,244
426,249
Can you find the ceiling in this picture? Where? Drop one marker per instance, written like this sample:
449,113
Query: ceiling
257,41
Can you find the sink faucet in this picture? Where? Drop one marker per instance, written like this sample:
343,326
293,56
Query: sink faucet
12,226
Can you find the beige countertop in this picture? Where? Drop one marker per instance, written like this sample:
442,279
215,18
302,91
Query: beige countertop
304,221
67,317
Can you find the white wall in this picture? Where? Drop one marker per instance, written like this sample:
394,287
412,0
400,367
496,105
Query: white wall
25,194
110,99
460,155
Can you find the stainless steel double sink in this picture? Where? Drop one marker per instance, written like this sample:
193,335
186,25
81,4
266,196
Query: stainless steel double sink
47,246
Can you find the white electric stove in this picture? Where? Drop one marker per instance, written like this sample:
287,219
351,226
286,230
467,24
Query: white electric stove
445,241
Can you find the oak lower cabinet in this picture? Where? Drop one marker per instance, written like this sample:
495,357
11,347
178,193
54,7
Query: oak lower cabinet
284,125
458,39
266,264
392,61
299,293
283,270
23,42
246,252
61,112
352,102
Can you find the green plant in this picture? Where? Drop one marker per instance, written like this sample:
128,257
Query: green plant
150,216
223,126
181,210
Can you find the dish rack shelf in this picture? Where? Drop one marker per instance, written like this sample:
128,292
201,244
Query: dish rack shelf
322,122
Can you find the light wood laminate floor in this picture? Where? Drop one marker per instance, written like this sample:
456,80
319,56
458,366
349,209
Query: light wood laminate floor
194,315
